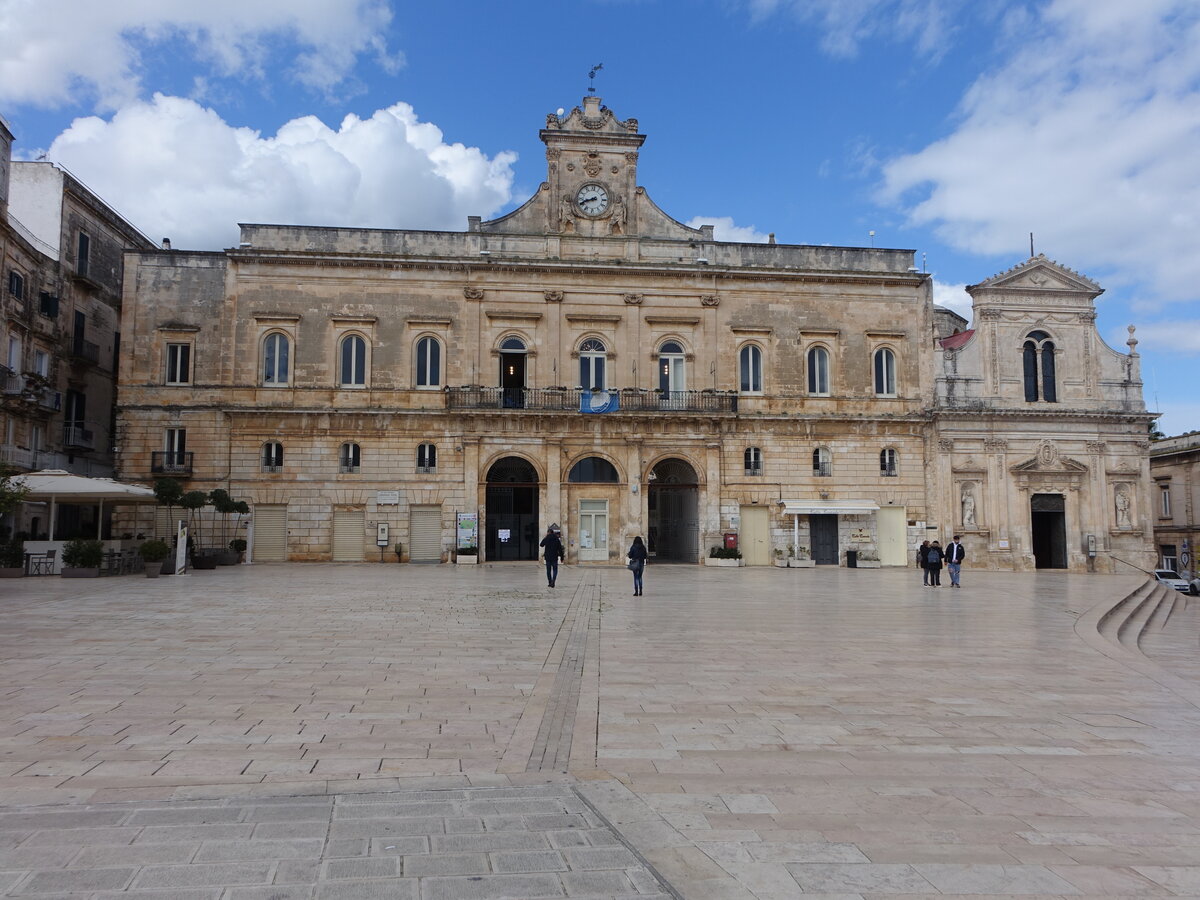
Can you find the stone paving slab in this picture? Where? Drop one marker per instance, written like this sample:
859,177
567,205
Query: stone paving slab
341,731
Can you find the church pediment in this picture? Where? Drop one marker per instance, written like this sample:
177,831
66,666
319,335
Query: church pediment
1063,464
1040,274
592,119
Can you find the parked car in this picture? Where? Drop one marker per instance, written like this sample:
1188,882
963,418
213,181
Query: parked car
1195,585
1171,579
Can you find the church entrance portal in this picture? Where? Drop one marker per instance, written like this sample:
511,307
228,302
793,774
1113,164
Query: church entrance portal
673,499
511,531
1048,520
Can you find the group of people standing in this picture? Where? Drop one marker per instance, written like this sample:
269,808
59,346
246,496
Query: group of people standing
930,557
553,551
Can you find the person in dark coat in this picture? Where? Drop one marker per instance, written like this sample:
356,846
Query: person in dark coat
637,563
553,553
933,562
955,554
922,551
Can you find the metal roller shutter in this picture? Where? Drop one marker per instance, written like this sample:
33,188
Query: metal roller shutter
425,533
270,533
348,531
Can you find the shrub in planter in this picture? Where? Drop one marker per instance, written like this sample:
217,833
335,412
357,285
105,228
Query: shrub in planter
154,552
238,546
12,558
81,558
724,553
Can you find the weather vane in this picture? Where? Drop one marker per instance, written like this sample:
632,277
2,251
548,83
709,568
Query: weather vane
592,77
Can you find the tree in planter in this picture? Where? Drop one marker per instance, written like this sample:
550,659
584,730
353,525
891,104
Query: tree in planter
12,495
193,502
238,546
12,554
226,506
153,552
168,492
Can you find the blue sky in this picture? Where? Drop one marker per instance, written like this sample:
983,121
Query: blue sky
950,127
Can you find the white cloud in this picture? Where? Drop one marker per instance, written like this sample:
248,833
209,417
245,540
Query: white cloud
846,24
176,169
1087,137
53,52
953,296
725,230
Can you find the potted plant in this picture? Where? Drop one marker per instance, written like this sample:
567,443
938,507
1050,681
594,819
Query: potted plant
12,558
238,546
467,556
81,558
780,560
720,556
868,558
154,552
802,559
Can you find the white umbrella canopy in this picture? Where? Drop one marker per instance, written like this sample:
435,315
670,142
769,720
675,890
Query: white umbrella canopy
58,486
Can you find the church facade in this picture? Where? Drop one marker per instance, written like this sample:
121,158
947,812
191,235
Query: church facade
589,361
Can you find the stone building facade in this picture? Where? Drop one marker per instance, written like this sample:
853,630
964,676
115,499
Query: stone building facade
1175,500
61,258
589,361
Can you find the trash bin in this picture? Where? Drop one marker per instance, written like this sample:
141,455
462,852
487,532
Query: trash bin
851,559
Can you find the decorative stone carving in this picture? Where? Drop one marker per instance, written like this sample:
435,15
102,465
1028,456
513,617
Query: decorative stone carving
995,445
631,125
614,170
566,214
1087,316
1047,454
989,314
710,300
946,445
618,216
631,158
633,299
1097,446
591,164
553,152
473,293
1123,505
553,296
968,506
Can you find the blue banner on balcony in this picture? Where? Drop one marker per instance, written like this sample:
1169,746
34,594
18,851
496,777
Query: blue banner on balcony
599,402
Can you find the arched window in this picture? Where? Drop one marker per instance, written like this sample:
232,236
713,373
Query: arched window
887,462
1037,359
272,456
592,359
350,457
512,345
353,354
818,372
276,350
426,458
593,469
822,463
885,373
429,362
753,460
750,369
672,374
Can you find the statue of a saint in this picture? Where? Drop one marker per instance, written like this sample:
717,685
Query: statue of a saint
1123,520
618,216
566,214
968,507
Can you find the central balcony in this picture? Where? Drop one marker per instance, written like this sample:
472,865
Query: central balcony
77,436
582,401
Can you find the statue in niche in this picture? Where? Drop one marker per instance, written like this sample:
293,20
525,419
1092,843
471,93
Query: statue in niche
566,214
968,507
618,216
1123,504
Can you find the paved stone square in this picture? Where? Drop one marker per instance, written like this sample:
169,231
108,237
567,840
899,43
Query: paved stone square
405,731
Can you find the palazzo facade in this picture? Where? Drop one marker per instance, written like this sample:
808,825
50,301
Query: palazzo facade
587,360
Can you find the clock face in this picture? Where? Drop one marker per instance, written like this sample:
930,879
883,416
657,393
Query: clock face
592,199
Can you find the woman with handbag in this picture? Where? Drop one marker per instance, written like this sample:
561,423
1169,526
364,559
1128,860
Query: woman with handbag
637,563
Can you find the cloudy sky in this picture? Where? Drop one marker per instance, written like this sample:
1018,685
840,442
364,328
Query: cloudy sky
952,127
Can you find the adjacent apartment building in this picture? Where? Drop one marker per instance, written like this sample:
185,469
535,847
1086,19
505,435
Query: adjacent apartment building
589,361
1175,469
61,259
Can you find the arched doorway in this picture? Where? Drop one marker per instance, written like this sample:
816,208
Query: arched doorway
673,501
511,530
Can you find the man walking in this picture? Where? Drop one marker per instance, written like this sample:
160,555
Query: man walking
554,552
955,553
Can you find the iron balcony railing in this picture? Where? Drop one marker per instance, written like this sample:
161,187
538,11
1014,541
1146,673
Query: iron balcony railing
86,351
78,436
171,462
579,400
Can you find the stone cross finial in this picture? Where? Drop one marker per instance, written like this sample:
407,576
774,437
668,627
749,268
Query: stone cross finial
1132,342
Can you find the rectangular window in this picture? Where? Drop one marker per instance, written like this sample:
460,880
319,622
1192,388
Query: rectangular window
41,363
48,305
83,257
1169,557
179,363
175,443
1166,501
13,361
16,284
